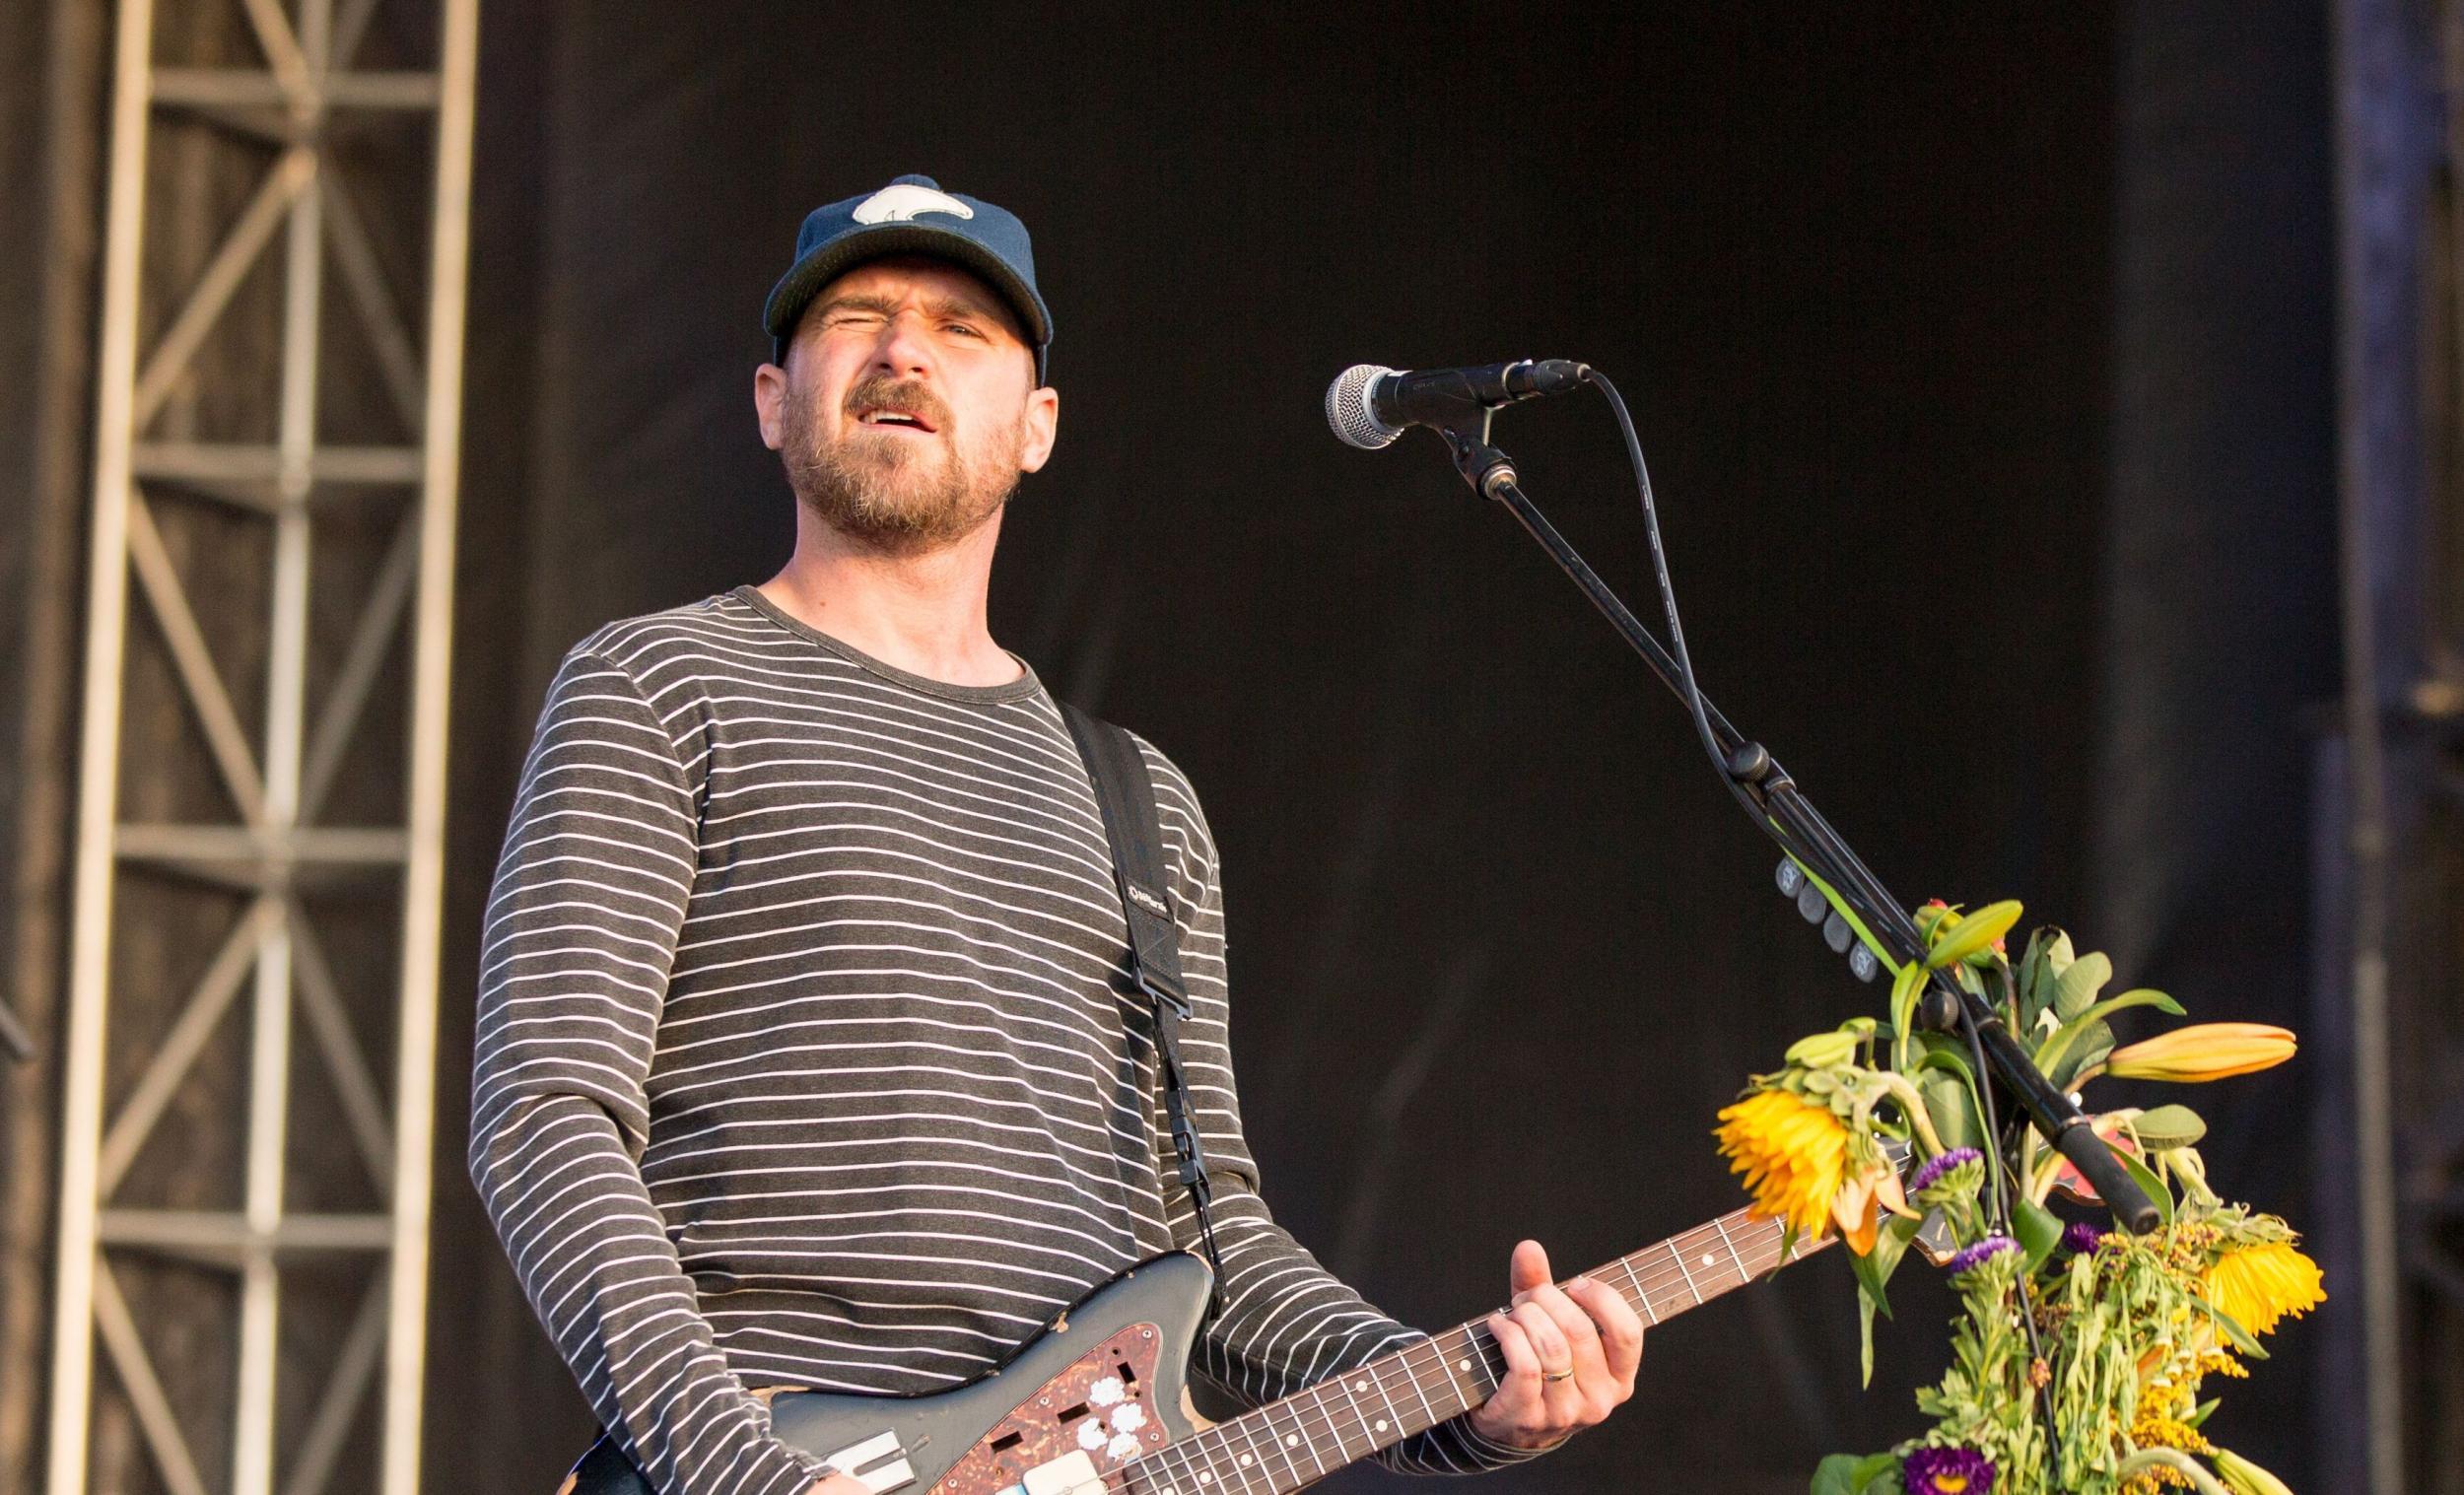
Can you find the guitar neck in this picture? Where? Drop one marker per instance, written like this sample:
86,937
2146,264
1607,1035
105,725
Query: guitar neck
1345,1418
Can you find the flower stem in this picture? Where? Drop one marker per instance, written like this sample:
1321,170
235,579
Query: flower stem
2178,1461
1914,1106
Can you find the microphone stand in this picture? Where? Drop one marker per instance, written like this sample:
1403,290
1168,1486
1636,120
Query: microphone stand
1784,813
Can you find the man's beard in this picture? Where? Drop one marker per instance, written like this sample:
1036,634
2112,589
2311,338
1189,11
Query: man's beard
876,490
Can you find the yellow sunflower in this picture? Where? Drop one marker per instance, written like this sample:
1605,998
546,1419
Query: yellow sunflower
1793,1153
2257,1285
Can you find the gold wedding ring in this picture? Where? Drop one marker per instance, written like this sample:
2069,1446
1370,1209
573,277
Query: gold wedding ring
1565,1375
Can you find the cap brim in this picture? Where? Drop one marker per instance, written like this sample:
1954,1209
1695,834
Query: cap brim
805,278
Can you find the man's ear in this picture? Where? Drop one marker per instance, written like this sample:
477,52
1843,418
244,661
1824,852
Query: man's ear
1042,428
770,399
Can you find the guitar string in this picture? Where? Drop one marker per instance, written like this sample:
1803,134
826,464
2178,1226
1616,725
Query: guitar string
1181,1463
1210,1449
1212,1446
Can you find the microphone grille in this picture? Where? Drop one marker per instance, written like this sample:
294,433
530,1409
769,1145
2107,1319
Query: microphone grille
1347,408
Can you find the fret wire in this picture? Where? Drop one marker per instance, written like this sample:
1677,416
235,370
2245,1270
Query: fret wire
1443,1362
1640,1292
1649,1284
1415,1377
1360,1418
1220,1461
1476,1347
1181,1456
1684,1270
1265,1418
1743,1275
1481,1346
1204,1469
1250,1433
1394,1418
1300,1420
1333,1425
1459,1361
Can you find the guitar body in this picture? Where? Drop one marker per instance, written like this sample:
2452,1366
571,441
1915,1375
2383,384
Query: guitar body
1107,1384
1104,1382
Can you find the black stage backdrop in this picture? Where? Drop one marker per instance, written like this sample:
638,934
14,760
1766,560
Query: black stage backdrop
1982,360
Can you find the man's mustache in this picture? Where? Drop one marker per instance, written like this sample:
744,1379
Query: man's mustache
905,396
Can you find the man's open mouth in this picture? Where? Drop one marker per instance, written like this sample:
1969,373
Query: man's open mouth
895,419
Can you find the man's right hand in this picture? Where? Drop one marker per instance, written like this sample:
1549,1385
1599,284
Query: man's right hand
838,1484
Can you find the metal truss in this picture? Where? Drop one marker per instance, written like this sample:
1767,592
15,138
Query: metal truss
2390,836
274,852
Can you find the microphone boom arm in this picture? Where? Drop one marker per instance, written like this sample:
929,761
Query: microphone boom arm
1783,813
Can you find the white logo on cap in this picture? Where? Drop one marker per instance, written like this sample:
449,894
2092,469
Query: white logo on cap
901,201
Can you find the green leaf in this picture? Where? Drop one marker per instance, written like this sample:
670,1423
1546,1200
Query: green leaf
1873,1274
2243,1341
2077,984
2167,1127
1821,1051
1847,1474
2201,1415
2036,975
1864,1342
1975,934
1904,988
2095,1042
2051,1051
2148,1185
2029,968
1948,1101
2037,1230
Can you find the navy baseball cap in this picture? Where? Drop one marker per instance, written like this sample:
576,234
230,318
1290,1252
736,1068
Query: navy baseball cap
911,216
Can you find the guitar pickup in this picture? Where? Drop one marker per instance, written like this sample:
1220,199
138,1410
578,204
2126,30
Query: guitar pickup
879,1463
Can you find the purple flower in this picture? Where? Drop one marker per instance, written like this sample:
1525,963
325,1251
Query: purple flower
1935,1167
1946,1471
2081,1238
1982,1252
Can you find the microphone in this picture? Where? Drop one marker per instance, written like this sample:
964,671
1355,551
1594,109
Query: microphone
1369,405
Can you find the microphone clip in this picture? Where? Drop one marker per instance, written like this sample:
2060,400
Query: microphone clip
1488,470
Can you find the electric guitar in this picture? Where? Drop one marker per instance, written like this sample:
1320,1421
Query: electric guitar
1097,1402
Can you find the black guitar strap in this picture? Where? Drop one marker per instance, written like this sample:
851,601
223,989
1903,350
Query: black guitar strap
1127,796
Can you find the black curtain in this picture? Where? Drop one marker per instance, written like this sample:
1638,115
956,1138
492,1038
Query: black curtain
1501,944
1983,359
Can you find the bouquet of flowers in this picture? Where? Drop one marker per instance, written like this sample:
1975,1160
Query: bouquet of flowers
2079,1354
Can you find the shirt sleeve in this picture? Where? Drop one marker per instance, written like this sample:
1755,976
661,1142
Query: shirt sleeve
581,929
1287,1323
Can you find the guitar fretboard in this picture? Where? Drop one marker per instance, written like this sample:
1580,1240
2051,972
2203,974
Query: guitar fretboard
1302,1439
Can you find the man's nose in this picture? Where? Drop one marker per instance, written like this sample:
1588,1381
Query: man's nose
904,350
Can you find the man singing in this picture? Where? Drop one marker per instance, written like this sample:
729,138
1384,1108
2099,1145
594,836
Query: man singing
807,1055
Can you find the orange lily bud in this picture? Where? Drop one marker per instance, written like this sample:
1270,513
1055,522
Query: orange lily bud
2202,1051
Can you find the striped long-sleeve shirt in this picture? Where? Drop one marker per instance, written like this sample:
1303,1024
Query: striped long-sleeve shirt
807,1054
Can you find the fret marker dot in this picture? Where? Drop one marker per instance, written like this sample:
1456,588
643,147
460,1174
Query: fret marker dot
1360,1386
1381,1424
1246,1461
1205,1477
1706,1258
1463,1365
1291,1440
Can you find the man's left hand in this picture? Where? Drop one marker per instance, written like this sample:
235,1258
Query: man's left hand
1571,1354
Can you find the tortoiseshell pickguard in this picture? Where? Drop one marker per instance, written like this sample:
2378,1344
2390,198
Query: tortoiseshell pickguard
1052,1422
